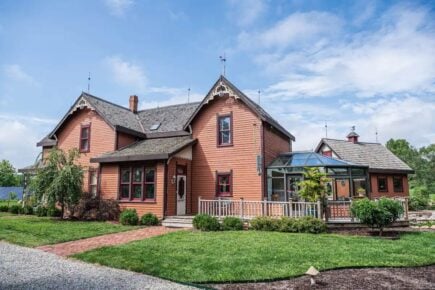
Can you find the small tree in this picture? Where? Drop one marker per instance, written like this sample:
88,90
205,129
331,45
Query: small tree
60,180
313,187
377,213
8,175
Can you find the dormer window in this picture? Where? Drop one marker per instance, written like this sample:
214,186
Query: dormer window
225,130
85,138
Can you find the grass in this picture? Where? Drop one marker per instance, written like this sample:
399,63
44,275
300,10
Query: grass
199,257
35,231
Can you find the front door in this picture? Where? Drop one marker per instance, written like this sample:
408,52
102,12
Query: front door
181,194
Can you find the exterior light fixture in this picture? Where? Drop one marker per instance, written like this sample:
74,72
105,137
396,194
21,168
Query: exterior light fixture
312,272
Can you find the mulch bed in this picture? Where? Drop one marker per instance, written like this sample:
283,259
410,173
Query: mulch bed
365,278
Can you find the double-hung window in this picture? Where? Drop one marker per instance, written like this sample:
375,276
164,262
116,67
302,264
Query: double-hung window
137,183
225,130
224,184
93,182
85,138
382,183
398,183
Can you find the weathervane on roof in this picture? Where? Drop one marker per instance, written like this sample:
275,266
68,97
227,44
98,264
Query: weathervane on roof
259,96
188,95
326,128
89,82
352,128
223,61
376,133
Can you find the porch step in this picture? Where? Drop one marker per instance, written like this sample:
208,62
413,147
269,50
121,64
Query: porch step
178,222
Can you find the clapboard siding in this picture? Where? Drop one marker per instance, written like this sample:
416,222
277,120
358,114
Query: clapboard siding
275,143
208,158
124,140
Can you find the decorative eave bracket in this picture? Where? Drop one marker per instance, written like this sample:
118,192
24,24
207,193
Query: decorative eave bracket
220,90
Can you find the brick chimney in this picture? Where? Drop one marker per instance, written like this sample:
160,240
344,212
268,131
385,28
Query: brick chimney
134,100
352,136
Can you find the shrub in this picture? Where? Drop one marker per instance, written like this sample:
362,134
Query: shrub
129,217
380,213
418,202
28,209
206,222
15,209
232,224
54,212
311,225
265,224
149,219
41,211
4,208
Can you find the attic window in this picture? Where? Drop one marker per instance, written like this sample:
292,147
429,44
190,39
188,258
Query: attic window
155,126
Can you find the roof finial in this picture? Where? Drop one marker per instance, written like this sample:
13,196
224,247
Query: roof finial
376,133
89,82
223,61
259,97
352,128
326,128
188,95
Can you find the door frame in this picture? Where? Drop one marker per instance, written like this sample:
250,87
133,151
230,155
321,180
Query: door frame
185,194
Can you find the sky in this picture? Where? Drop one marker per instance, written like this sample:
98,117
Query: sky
368,64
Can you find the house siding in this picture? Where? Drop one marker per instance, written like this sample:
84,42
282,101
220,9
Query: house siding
240,158
102,138
124,140
390,193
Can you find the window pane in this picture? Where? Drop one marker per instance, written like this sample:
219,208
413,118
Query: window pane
382,184
94,190
137,175
125,191
149,194
359,187
93,179
398,184
358,171
85,133
125,175
224,123
149,175
225,137
84,144
224,184
137,191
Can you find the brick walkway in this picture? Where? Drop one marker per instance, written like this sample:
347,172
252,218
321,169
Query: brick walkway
74,247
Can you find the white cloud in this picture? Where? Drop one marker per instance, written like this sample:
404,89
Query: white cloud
16,73
246,12
118,7
19,135
127,73
395,55
165,96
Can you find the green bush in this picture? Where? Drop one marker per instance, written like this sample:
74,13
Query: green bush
149,219
41,211
377,213
265,224
54,212
129,217
4,208
27,209
232,224
15,209
206,222
418,202
311,225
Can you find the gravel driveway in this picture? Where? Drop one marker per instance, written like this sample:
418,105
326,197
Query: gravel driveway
25,268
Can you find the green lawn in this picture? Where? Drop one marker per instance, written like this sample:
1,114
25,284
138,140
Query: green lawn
35,231
248,255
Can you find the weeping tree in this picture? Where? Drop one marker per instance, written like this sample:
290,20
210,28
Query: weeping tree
60,180
313,186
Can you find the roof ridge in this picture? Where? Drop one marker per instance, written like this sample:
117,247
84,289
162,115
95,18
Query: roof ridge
168,106
106,101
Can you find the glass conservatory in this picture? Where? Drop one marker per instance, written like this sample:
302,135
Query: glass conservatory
346,180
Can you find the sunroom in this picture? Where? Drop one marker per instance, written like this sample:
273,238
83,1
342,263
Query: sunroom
346,180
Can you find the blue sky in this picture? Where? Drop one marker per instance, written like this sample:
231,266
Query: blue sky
365,63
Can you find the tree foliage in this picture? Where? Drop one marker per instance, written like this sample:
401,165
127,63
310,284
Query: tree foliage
60,180
313,187
8,174
377,213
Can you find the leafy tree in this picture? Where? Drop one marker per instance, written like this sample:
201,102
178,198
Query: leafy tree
377,213
60,180
313,186
8,175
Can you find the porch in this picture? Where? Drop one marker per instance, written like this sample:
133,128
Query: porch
335,212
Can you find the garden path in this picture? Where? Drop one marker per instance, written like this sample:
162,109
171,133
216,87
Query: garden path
78,246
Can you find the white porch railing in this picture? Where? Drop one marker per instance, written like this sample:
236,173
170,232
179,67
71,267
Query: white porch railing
335,210
249,209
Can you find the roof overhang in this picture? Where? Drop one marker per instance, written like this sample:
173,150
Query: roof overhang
391,171
46,142
122,129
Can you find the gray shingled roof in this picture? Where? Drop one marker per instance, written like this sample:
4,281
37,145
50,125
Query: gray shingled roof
149,149
374,155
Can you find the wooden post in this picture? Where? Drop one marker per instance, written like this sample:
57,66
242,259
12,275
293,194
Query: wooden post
199,205
241,208
219,207
326,211
406,208
319,209
290,207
